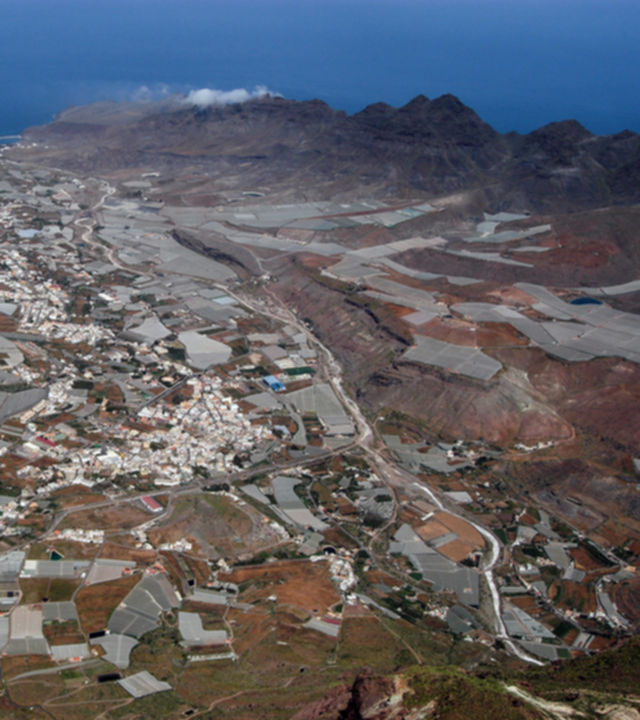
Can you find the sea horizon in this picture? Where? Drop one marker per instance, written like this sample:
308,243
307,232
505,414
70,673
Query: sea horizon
518,65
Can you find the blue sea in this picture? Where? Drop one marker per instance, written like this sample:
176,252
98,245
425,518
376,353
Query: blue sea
519,63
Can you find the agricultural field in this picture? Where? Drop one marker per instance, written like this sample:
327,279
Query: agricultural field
96,602
300,584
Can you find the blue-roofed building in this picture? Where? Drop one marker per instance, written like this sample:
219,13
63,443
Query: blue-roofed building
273,383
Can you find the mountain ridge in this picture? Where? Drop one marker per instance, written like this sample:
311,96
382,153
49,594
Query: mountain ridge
429,146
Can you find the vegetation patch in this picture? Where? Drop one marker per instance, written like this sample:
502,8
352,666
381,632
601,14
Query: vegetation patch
35,590
454,695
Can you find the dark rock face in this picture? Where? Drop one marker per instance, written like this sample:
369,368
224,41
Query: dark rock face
368,698
430,146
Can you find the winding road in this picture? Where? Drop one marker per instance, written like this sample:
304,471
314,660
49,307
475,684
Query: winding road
388,471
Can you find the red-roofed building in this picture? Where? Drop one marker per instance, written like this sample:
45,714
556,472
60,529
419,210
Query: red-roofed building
151,504
45,441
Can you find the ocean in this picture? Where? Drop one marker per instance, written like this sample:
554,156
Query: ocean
519,64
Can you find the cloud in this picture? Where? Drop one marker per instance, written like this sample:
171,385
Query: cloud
148,94
205,97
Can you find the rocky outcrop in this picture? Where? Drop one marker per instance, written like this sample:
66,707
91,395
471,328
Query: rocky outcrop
370,697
